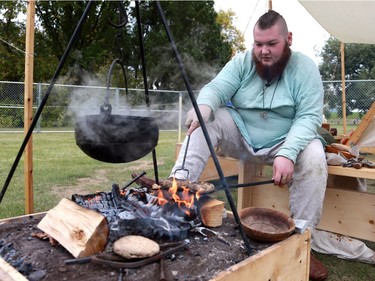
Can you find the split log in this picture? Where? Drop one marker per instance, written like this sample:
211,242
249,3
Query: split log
83,232
211,212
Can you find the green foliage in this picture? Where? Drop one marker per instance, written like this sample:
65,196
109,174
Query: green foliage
230,33
359,61
58,21
198,39
10,118
196,31
205,42
359,65
12,41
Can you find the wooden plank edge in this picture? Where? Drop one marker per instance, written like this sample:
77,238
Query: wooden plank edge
9,273
266,265
22,217
366,173
367,149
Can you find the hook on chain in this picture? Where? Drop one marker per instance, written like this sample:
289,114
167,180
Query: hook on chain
123,17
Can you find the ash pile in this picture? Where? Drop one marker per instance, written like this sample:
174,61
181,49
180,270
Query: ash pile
136,211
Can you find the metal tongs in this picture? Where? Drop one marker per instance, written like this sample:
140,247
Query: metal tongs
184,159
207,232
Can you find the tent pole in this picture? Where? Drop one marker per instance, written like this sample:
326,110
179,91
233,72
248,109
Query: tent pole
269,5
28,106
342,51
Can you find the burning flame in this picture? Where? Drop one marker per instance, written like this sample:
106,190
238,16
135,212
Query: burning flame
161,200
184,200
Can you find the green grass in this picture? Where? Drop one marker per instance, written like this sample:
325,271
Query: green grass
345,270
61,169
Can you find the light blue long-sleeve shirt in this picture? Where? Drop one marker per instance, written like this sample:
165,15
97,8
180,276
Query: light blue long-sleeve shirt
293,102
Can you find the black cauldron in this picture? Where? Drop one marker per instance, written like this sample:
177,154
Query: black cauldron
116,138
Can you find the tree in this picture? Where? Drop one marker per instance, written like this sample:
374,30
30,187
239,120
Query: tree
359,64
11,41
58,20
198,39
230,33
198,35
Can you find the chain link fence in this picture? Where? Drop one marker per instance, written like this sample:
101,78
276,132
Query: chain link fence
65,102
359,96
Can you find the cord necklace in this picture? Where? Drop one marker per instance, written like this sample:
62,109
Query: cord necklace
264,113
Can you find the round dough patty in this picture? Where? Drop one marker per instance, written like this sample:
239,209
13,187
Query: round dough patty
135,246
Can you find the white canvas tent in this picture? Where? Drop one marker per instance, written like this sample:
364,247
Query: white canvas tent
367,138
350,22
364,135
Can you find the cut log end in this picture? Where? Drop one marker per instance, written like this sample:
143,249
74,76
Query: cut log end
211,212
83,232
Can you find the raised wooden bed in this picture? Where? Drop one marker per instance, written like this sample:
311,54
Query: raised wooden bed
286,260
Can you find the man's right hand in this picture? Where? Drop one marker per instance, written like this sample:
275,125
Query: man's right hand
283,169
192,119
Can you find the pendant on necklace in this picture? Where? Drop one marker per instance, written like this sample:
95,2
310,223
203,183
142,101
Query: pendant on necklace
264,114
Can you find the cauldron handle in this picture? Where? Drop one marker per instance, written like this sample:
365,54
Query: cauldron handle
106,109
109,78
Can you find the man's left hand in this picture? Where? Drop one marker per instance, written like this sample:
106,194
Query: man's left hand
283,169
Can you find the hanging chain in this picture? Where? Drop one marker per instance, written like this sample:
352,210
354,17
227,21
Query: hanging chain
119,48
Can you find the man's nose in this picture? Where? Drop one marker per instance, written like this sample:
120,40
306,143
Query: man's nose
265,49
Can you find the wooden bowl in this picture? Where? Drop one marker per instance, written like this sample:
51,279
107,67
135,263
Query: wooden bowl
266,225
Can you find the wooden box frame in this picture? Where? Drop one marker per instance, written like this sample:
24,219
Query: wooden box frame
285,260
346,212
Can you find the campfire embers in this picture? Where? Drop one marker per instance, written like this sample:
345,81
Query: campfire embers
134,211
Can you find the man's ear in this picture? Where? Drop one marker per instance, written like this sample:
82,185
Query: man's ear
290,38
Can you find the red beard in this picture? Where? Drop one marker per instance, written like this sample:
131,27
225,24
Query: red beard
269,73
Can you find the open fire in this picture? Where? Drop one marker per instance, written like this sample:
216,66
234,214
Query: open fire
184,199
136,211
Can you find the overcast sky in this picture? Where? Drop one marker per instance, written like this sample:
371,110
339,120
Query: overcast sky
308,35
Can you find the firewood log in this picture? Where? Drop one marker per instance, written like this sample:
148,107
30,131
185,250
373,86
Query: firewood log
211,212
83,232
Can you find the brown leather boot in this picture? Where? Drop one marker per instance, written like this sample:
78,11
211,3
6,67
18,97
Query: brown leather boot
318,271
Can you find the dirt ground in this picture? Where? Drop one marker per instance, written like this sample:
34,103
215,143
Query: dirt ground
202,259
